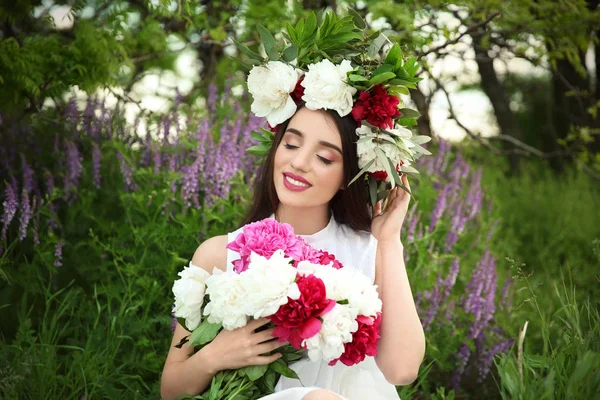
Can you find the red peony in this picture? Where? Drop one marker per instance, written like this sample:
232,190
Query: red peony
382,175
298,91
379,175
299,319
364,341
378,108
273,128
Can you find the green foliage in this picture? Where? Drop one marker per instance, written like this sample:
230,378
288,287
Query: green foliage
569,365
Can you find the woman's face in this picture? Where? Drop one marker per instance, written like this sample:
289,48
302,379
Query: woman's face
308,168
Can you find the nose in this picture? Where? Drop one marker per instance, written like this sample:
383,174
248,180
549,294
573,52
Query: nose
301,161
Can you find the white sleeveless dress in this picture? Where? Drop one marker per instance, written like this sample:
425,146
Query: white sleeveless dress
362,381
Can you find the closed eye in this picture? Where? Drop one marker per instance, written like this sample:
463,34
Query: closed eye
292,147
326,161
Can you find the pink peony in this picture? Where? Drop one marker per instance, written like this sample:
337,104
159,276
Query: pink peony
264,238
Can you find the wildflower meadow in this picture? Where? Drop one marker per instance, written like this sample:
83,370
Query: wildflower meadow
100,208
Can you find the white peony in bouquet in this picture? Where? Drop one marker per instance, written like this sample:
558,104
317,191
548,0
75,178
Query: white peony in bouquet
322,309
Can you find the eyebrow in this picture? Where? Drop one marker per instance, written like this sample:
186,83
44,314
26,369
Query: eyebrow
321,142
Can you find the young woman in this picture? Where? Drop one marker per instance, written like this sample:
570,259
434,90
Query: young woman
304,182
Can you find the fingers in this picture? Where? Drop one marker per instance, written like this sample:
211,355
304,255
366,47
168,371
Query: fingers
267,347
377,208
256,323
263,336
264,360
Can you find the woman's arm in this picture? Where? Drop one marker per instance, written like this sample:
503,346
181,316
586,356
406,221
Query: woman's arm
401,347
183,372
402,344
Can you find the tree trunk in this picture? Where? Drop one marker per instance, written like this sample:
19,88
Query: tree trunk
500,102
424,123
570,101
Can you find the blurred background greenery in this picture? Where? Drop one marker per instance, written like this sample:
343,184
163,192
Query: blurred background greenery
122,129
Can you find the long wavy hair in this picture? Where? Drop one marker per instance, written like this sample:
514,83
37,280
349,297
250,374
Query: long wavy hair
349,206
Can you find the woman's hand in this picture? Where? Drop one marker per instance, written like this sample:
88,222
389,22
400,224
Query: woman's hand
242,347
386,225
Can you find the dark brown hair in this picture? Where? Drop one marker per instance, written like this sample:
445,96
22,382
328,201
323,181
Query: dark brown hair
349,206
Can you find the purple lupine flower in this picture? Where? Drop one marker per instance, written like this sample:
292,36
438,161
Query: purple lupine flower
172,168
174,323
71,110
435,298
96,164
213,98
462,358
52,224
28,175
166,130
35,228
190,186
412,226
486,361
451,278
10,205
26,213
74,167
481,291
440,158
440,206
506,296
49,178
127,173
58,254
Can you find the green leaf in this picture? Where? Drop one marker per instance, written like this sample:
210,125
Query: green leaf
281,368
362,171
407,121
204,333
247,51
376,45
357,19
394,172
398,90
269,43
373,191
383,160
394,55
290,54
383,68
357,78
409,113
403,82
259,150
254,372
386,76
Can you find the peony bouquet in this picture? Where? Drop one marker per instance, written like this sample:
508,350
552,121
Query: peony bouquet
323,310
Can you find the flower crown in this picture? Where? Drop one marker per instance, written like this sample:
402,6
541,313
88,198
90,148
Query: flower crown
333,63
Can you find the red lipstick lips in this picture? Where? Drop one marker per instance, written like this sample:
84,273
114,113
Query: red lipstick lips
295,187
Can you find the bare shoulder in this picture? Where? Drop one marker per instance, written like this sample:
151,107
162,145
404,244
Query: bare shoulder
212,253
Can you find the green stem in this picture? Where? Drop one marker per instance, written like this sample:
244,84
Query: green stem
242,387
229,381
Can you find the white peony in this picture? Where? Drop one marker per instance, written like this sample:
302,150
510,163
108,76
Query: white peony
326,87
268,283
270,86
227,298
338,326
346,284
189,295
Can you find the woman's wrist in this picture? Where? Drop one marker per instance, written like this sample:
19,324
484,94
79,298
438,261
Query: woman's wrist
205,361
393,243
